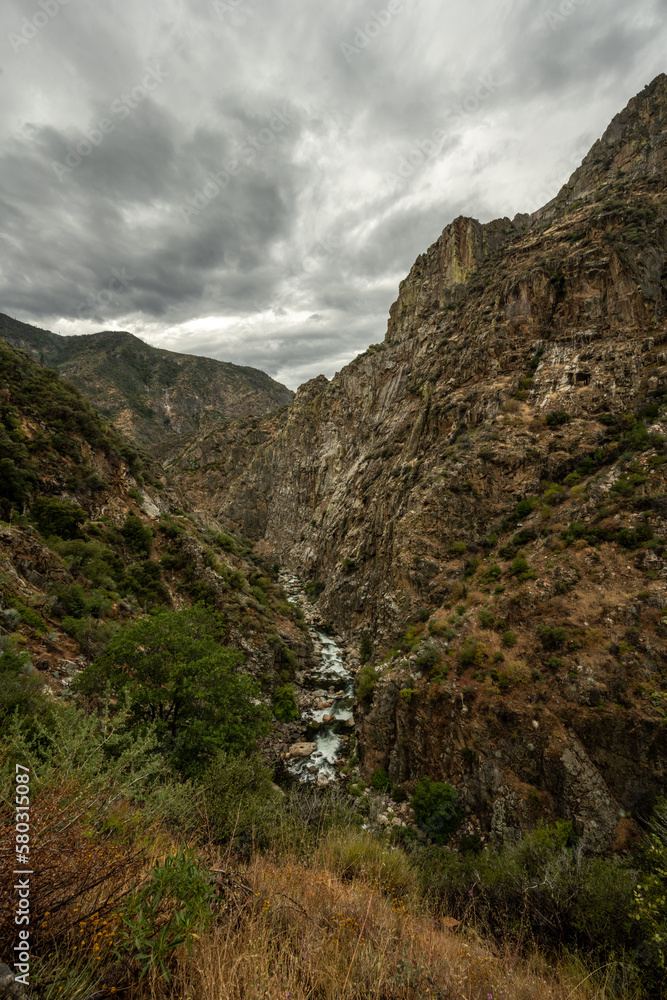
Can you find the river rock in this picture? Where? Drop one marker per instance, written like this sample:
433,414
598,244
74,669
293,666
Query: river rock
328,718
322,780
302,749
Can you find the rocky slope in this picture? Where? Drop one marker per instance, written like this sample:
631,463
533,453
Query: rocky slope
92,536
488,483
155,397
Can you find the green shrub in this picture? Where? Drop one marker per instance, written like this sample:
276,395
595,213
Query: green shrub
365,648
368,678
58,517
313,590
138,535
552,636
171,909
486,618
557,418
554,663
458,548
380,780
522,569
650,897
509,638
428,658
435,807
285,707
241,801
473,654
436,627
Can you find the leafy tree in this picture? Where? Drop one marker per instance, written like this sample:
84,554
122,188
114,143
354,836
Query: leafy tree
176,674
58,517
435,804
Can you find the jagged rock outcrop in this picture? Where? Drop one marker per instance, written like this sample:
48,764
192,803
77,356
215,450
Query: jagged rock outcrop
524,360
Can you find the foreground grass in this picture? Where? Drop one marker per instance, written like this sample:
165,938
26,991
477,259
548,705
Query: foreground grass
298,930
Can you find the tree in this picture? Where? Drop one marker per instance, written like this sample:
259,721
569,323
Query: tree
172,670
58,517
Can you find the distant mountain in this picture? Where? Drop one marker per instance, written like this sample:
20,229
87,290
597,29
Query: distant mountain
157,398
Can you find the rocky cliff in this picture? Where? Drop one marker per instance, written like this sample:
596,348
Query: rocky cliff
156,398
484,492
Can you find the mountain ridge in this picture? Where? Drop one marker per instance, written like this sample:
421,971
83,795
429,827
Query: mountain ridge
156,397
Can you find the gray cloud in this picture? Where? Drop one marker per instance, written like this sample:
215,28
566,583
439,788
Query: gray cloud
251,180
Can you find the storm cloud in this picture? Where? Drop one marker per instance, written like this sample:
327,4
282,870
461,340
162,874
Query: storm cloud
251,180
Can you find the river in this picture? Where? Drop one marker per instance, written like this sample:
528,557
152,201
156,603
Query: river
331,688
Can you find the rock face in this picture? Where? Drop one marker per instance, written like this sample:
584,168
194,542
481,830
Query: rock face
524,359
156,398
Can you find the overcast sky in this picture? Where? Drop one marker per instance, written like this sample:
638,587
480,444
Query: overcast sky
344,136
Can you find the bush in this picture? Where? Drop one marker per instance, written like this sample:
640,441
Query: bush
435,807
313,590
365,648
552,636
557,418
486,618
509,638
138,535
649,908
458,548
170,909
58,517
381,780
428,658
473,654
368,678
240,800
285,707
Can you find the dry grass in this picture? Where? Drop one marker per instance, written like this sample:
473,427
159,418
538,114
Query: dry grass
291,931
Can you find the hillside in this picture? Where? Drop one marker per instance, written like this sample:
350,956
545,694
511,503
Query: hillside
91,537
484,493
156,398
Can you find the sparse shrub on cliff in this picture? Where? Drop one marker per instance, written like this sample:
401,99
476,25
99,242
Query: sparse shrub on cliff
314,589
437,627
557,418
285,707
365,648
428,657
486,618
368,678
473,654
436,811
522,569
509,638
458,548
552,636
